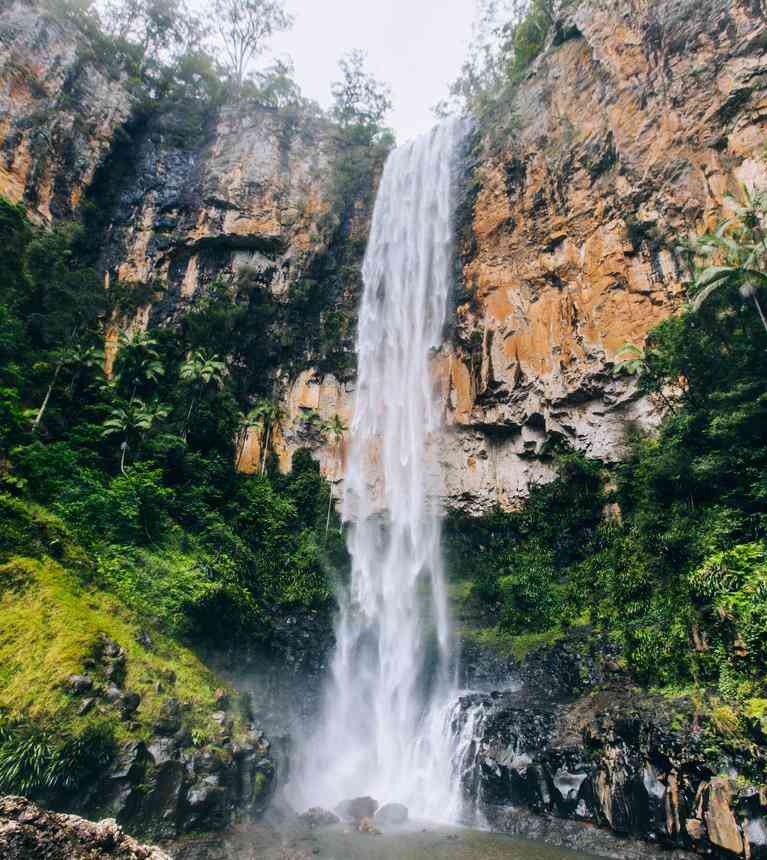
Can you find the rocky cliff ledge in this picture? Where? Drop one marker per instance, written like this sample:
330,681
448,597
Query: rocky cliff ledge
27,832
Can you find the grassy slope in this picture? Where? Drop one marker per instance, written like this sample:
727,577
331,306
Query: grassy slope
54,615
51,629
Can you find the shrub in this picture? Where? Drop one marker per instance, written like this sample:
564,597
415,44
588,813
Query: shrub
37,760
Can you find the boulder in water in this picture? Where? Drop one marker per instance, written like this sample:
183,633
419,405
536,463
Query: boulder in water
392,813
317,817
357,808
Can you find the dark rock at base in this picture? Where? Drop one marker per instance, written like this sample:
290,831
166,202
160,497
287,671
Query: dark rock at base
577,759
392,813
169,721
317,817
129,704
357,808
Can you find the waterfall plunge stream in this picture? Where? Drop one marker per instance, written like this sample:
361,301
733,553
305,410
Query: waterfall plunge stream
384,729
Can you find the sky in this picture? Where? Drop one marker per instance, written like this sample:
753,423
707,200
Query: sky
416,46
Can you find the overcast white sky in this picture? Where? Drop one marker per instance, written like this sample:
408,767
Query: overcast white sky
416,46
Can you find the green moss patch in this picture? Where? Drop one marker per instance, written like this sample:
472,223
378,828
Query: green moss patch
53,627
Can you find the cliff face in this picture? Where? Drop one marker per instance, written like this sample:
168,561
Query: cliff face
61,103
630,129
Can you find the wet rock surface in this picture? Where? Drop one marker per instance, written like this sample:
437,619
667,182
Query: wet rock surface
166,787
318,817
30,833
357,808
392,813
576,756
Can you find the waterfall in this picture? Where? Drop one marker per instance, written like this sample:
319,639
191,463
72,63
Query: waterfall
393,665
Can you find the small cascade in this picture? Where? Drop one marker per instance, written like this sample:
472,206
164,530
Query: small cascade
456,734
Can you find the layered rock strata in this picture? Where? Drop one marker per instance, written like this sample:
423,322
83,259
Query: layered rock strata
628,132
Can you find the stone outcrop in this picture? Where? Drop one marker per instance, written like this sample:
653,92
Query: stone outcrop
169,788
62,100
29,833
573,756
629,131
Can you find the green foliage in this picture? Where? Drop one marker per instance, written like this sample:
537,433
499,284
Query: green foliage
54,624
521,562
679,578
138,469
244,27
733,256
360,101
38,760
508,36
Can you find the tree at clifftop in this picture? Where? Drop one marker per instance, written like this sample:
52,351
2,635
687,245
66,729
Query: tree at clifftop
245,26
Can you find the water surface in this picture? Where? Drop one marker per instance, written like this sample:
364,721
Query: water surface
431,843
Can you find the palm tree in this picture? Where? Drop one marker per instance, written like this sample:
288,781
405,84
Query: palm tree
132,421
76,356
738,251
138,361
201,371
247,422
335,428
85,358
270,415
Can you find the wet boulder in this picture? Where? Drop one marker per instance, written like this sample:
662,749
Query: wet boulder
392,814
357,808
316,818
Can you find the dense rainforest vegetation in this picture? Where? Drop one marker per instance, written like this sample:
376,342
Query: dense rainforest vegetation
121,510
122,515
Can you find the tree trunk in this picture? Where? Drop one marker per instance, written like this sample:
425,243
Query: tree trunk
761,312
44,405
124,448
266,448
185,431
330,507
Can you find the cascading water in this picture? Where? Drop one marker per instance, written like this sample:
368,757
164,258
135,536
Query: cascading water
393,665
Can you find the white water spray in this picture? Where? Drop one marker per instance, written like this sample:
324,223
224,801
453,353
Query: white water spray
382,729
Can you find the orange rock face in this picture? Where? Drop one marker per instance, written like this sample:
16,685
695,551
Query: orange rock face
632,127
59,108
